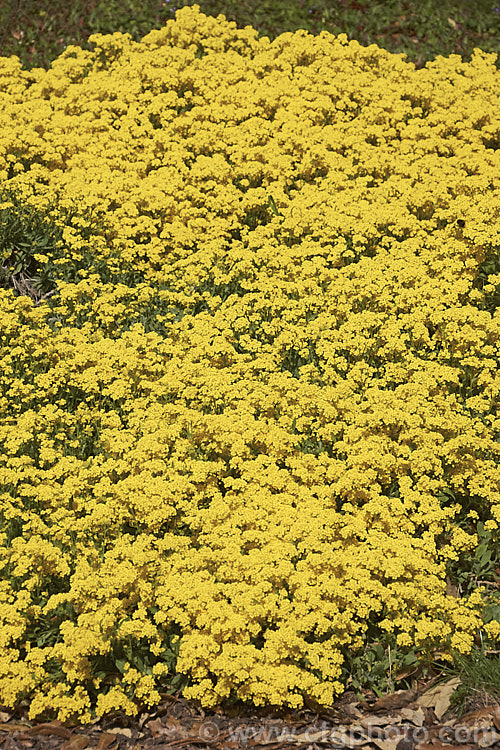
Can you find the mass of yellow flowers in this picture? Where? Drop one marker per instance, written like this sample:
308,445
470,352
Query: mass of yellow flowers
239,439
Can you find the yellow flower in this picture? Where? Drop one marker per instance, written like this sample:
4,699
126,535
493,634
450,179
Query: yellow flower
258,431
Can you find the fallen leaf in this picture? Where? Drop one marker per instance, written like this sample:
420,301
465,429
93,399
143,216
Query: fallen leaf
4,716
202,730
172,727
438,698
173,724
482,717
15,727
51,728
405,743
170,698
451,589
406,673
121,730
155,727
379,721
340,736
394,700
352,709
437,732
76,742
488,738
105,740
416,717
496,717
386,744
453,23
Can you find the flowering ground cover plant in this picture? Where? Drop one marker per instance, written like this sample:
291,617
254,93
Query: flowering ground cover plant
249,369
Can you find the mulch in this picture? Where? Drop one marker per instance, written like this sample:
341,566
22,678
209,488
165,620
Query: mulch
418,719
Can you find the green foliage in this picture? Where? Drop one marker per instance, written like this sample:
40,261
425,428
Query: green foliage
135,653
377,667
490,267
40,30
33,254
24,235
480,569
480,677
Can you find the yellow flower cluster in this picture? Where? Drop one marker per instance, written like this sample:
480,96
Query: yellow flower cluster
252,441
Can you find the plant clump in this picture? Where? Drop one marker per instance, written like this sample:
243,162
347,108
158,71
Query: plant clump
252,434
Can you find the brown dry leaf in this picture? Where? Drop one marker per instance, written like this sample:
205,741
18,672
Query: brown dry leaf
352,709
393,701
205,730
405,673
343,736
4,716
170,727
482,717
169,698
452,590
488,738
121,730
155,727
52,728
496,717
349,737
172,724
15,727
143,718
438,698
105,740
76,742
379,721
439,746
386,744
416,717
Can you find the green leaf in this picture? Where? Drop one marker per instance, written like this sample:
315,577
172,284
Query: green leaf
273,206
120,665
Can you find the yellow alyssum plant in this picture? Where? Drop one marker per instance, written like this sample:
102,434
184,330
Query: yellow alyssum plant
242,442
